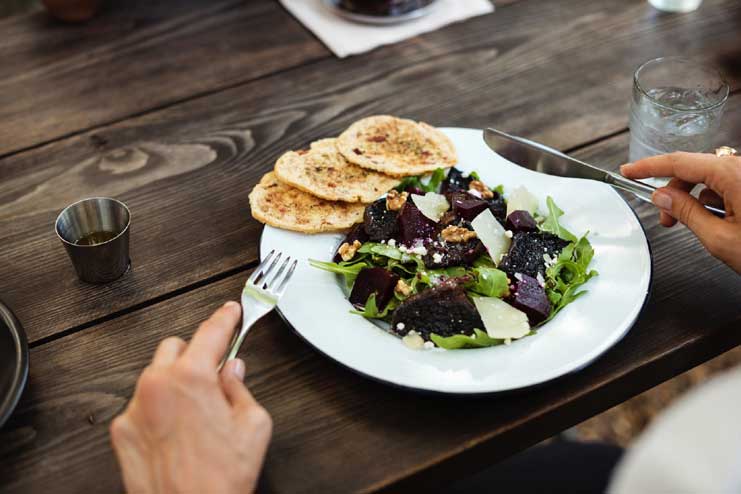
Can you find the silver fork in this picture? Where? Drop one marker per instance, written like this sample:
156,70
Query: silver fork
261,294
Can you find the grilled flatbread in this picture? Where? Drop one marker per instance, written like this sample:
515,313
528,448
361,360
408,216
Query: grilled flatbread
396,146
325,173
279,205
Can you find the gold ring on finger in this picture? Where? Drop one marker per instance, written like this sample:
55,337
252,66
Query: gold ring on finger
725,151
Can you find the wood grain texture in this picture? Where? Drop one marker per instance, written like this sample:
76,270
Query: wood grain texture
56,78
535,68
338,432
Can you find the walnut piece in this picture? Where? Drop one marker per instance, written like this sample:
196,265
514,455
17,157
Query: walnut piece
457,234
395,200
402,288
481,188
347,251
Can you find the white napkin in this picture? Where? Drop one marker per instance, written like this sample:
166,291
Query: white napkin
345,37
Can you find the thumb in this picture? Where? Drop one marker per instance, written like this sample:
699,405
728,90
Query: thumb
232,376
689,211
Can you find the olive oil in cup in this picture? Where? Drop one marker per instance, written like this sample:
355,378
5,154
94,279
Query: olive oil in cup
95,233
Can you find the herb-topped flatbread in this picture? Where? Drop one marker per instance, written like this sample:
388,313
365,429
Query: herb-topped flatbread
325,173
282,206
396,146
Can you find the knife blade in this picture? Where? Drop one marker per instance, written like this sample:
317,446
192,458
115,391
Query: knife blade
543,159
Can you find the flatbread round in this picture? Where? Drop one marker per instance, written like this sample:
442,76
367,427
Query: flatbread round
324,172
282,206
396,146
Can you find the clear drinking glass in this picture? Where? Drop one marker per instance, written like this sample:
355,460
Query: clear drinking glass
677,106
676,5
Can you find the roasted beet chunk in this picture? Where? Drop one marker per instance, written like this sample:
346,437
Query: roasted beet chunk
525,255
373,280
413,225
444,310
455,182
356,233
442,254
498,207
521,221
379,222
466,206
530,298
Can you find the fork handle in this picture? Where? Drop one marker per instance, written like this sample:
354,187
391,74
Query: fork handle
247,322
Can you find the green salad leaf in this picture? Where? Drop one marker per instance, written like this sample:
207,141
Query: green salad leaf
379,249
457,341
551,224
489,282
348,269
371,311
432,185
435,180
568,273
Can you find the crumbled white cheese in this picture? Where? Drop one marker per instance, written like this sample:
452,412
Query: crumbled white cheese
473,336
400,326
437,258
518,276
428,345
392,242
419,250
474,193
540,279
413,340
508,233
549,260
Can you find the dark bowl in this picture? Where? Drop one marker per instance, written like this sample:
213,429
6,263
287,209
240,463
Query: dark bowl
13,362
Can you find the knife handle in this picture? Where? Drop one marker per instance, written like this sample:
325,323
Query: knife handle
644,192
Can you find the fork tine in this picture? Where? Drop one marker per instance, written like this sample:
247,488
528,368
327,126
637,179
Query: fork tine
264,273
287,277
260,267
269,284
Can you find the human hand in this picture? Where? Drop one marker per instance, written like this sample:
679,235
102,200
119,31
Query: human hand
189,428
721,176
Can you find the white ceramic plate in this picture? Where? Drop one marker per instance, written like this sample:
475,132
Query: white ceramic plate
318,310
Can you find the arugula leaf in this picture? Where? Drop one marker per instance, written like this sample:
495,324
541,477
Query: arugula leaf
370,311
437,178
457,341
484,261
568,273
384,250
432,185
410,182
348,269
489,282
499,189
551,223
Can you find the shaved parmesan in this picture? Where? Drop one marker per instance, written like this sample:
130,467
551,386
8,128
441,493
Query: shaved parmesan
431,205
492,235
522,199
501,320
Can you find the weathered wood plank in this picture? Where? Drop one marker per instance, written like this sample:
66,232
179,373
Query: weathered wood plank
338,432
535,68
58,78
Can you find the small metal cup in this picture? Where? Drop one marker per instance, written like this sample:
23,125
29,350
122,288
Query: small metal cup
105,261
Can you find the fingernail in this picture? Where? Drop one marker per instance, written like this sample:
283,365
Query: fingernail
231,305
238,368
662,200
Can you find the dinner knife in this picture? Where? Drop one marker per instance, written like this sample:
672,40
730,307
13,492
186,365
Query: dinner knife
540,158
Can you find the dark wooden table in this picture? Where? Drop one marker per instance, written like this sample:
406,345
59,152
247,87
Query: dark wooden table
178,107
